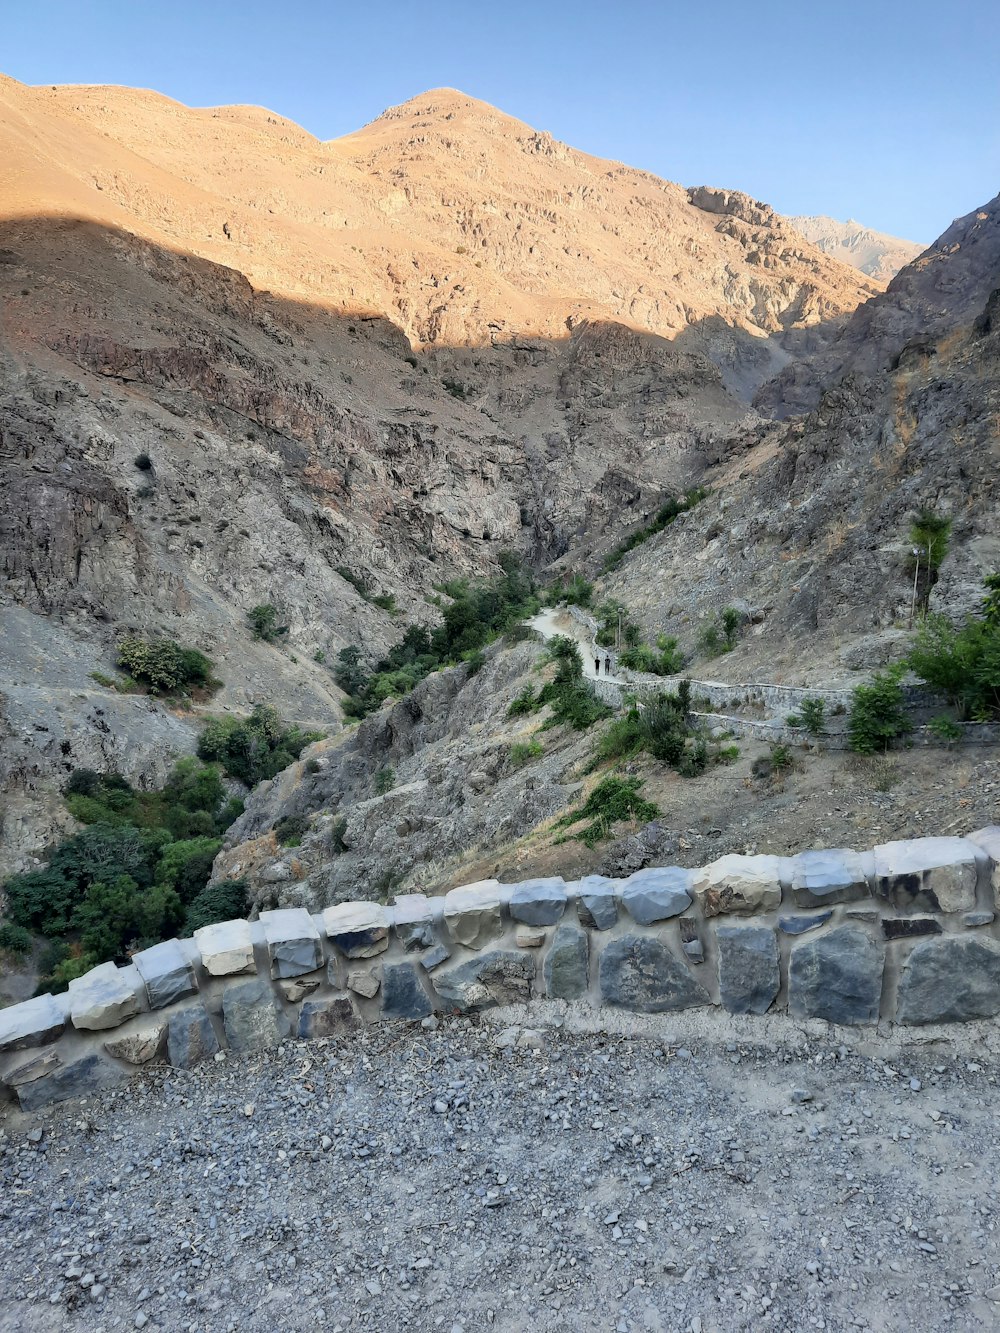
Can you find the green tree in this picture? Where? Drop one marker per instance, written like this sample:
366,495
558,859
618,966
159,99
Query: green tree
263,620
878,716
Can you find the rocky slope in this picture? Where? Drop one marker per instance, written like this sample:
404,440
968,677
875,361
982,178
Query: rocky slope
872,252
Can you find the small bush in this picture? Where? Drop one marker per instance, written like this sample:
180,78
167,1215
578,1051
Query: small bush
15,939
313,766
962,663
337,830
577,591
782,759
811,716
291,829
163,665
945,729
263,620
143,462
877,716
613,799
456,388
523,704
385,780
523,752
225,900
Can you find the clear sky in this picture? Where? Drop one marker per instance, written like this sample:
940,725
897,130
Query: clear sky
883,110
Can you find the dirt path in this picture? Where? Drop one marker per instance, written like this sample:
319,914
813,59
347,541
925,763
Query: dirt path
552,621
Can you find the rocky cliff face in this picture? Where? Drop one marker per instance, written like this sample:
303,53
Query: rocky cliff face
872,252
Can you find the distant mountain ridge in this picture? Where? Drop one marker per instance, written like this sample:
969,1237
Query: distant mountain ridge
872,252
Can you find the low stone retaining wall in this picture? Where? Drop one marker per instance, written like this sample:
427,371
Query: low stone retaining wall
906,932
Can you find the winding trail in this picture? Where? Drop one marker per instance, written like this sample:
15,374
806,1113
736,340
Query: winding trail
552,621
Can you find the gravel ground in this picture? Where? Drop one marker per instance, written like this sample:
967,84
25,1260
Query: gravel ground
689,1174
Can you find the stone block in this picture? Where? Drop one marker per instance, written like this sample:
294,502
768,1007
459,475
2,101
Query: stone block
801,925
166,973
988,841
639,972
497,978
657,895
566,966
950,980
142,1042
104,997
43,1063
252,1016
190,1037
293,943
837,976
403,996
528,937
225,948
907,927
822,878
597,902
739,884
749,975
298,988
32,1023
472,914
359,930
434,957
413,921
538,902
927,874
364,982
329,1017
81,1078
691,944
973,919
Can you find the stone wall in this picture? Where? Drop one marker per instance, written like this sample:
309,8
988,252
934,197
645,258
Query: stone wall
903,933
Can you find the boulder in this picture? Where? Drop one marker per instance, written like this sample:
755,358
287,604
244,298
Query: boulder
825,877
166,972
225,948
538,902
566,966
413,921
31,1023
739,884
837,976
104,997
330,1017
500,977
252,1017
596,901
190,1037
403,996
657,895
88,1075
143,1041
950,980
293,942
472,913
927,874
749,975
298,988
639,972
359,930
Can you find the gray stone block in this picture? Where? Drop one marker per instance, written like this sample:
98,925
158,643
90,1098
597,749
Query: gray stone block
657,895
927,874
749,976
973,919
596,902
739,884
538,902
500,977
31,1023
434,957
252,1017
837,976
988,841
293,943
190,1037
329,1017
413,921
566,966
801,925
403,996
949,980
166,972
105,997
359,930
142,1041
83,1077
822,878
44,1062
472,913
639,972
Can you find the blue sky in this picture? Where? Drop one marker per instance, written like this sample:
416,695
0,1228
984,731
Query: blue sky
886,111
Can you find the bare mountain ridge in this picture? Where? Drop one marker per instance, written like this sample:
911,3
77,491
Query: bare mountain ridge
872,252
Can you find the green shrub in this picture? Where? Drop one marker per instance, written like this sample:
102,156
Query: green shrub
254,748
945,729
225,900
963,664
576,591
291,829
337,830
782,760
163,665
524,703
385,602
116,916
811,716
523,752
15,939
186,865
263,620
722,634
877,716
613,799
385,780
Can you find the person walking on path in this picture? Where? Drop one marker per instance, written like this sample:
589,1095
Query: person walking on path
597,666
607,664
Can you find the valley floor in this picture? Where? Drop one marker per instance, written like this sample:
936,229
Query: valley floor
689,1173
